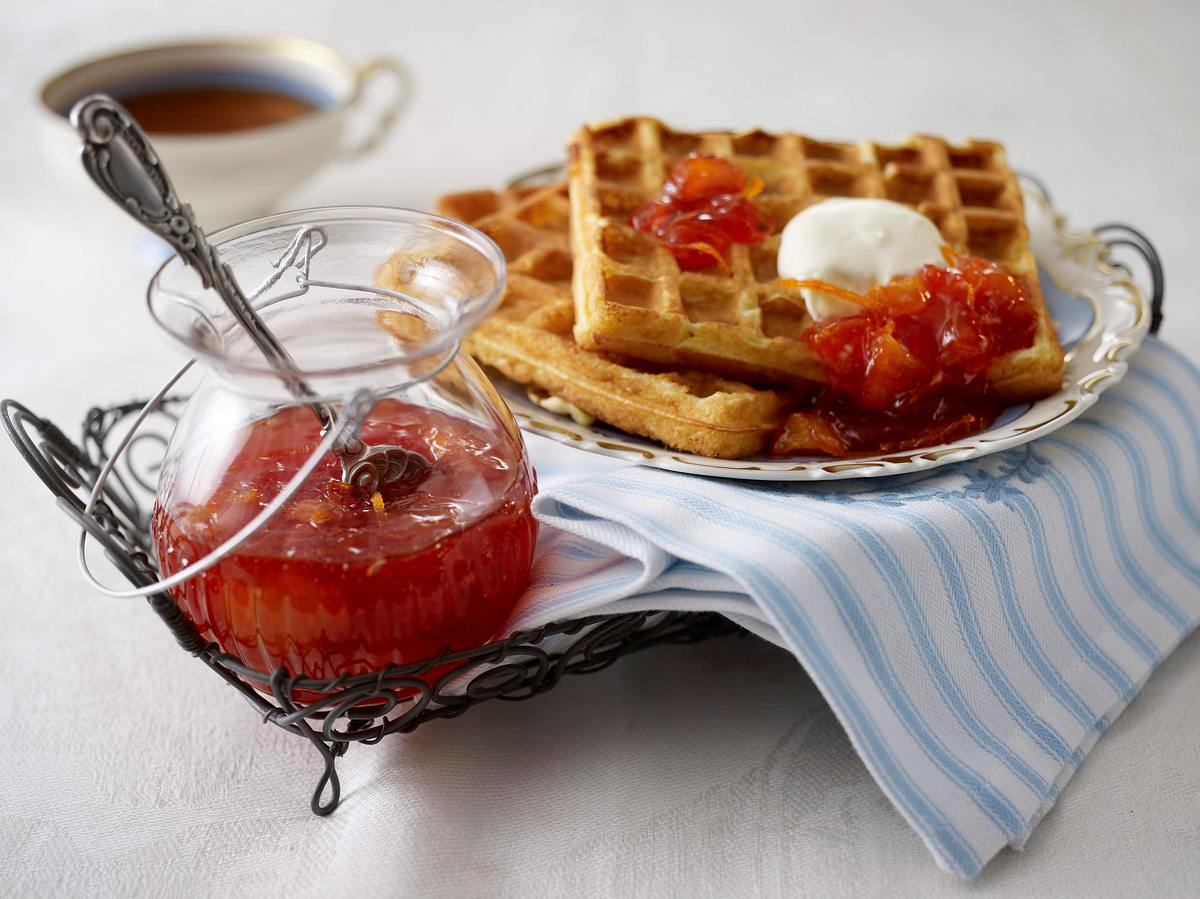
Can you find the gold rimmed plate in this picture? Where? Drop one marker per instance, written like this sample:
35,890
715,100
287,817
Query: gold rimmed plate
1101,317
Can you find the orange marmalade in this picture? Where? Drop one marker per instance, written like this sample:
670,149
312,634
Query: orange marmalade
338,582
705,207
909,368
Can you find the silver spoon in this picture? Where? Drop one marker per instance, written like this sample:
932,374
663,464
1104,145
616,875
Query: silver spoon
121,161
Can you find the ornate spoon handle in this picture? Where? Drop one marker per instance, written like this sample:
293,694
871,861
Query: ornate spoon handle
121,161
119,158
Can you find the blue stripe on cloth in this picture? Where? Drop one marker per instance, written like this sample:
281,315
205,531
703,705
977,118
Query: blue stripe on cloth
1080,641
856,620
886,677
892,572
579,550
1156,351
1127,557
792,620
1187,416
991,801
1087,566
975,629
1137,462
967,623
1179,491
1030,649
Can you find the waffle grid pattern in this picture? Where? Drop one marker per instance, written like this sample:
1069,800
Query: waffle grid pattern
631,296
529,339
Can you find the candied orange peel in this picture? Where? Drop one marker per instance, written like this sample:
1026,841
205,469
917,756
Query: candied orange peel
828,287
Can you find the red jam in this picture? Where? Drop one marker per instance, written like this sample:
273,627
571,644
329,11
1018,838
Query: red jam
909,369
705,207
338,582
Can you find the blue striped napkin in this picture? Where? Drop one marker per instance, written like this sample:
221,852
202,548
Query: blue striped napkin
975,629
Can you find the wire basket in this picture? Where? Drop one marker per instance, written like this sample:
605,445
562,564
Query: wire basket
396,699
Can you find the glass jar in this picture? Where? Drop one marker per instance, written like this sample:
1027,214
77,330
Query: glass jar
337,581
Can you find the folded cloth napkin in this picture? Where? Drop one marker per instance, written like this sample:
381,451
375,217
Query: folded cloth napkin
975,629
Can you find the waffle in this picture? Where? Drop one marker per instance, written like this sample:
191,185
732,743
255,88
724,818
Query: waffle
631,297
529,339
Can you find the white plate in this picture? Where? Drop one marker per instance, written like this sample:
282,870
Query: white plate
1100,315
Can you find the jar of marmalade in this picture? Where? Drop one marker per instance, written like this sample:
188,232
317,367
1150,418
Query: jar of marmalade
371,305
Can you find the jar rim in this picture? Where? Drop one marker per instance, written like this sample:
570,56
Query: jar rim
470,312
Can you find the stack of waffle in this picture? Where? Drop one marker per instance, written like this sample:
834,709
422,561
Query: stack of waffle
600,316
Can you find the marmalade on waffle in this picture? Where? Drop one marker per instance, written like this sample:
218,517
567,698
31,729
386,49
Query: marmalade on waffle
631,298
529,340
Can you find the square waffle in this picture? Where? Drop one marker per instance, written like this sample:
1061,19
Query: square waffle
632,298
529,339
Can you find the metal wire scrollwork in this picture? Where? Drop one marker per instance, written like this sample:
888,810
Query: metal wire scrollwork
1116,236
331,714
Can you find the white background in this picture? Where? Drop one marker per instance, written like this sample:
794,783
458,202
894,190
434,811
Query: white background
710,770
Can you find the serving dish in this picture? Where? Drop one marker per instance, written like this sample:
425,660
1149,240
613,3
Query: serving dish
1101,317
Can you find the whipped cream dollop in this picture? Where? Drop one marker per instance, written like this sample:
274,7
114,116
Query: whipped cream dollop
854,243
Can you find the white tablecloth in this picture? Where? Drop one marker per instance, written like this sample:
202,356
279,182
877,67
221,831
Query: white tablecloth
708,770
